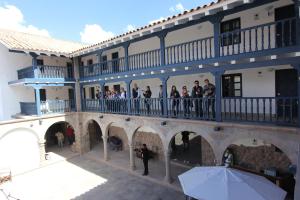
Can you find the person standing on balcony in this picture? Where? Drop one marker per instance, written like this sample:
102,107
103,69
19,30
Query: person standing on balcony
175,100
209,94
147,94
70,135
123,99
186,102
197,95
145,157
161,101
136,94
60,139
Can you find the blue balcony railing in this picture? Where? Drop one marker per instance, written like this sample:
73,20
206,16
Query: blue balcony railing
259,38
47,107
277,110
107,67
45,71
274,35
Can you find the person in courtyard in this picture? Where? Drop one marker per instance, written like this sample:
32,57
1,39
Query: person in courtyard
197,94
175,100
70,135
147,94
161,101
186,102
60,139
145,157
136,95
185,140
209,94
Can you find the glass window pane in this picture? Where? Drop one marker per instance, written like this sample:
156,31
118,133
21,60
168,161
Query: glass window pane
237,86
237,79
237,93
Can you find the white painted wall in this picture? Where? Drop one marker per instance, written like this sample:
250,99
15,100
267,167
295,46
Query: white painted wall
252,17
10,96
19,151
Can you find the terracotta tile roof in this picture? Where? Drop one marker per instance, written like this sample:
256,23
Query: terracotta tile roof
28,42
155,23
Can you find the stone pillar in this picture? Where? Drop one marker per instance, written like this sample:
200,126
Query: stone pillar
297,178
167,154
105,149
132,156
42,149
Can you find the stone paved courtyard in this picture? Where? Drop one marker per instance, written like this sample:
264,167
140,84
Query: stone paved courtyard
83,178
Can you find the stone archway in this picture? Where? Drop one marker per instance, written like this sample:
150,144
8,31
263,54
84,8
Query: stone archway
20,150
51,142
261,157
95,134
191,149
154,141
180,159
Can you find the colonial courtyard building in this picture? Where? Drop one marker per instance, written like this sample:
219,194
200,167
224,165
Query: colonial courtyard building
249,50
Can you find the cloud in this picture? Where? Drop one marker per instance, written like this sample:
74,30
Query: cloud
129,27
177,8
12,18
94,33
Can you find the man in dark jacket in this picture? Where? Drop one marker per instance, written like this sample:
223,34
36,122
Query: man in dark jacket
197,95
145,157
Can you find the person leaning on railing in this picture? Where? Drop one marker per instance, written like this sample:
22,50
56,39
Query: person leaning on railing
186,102
197,95
175,100
209,97
147,94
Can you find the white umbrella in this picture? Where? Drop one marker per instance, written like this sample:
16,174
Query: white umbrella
221,183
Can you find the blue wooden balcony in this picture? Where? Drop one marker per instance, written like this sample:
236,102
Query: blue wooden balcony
266,39
47,107
46,72
268,110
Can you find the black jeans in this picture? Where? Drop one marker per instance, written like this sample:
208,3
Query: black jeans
145,161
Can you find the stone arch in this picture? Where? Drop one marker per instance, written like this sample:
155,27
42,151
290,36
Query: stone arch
286,149
120,131
20,150
95,137
203,132
151,136
61,126
257,154
49,124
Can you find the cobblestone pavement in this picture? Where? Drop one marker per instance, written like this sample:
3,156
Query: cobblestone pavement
81,178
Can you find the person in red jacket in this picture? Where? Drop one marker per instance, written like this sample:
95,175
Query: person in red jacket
70,135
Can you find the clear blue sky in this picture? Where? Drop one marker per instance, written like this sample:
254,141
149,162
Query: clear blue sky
65,19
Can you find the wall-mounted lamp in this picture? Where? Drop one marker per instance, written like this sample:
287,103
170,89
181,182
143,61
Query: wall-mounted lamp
163,123
101,117
127,119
